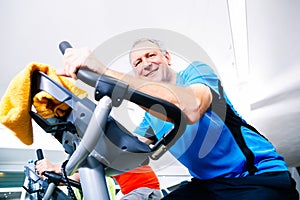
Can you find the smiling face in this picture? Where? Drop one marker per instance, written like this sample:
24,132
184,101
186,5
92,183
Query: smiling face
149,62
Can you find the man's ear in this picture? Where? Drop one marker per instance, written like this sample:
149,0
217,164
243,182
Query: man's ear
168,57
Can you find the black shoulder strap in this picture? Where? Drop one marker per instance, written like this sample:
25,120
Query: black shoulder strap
151,135
234,123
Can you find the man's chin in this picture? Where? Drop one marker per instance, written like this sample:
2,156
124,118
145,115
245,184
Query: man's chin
154,78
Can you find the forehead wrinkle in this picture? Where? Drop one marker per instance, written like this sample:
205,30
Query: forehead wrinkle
143,46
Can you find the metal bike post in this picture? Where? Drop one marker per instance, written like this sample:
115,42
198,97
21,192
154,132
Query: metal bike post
91,171
93,182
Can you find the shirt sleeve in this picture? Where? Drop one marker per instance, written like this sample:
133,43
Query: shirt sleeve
143,127
153,125
198,72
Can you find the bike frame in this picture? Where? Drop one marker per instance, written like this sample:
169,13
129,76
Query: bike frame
98,146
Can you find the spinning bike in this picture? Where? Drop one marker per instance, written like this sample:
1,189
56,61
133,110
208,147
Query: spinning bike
97,144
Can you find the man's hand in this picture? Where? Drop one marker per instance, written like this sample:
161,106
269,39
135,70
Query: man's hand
45,165
75,58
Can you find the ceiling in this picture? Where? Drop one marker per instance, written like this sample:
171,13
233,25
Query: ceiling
254,45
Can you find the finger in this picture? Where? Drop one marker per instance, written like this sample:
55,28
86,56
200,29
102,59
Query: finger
70,68
61,72
68,62
73,71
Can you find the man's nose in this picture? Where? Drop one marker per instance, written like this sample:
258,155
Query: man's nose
146,63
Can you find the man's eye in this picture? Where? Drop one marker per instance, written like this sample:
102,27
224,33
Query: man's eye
151,55
137,63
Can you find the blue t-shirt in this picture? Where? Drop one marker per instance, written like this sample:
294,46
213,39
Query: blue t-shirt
207,147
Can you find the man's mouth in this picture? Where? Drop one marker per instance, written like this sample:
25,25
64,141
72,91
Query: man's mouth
151,73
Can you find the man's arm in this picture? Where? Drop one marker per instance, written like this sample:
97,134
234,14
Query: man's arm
193,100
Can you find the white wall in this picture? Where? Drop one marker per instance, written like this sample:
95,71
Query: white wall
31,31
274,85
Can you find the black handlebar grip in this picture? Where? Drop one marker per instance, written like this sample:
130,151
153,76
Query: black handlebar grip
39,154
63,46
85,75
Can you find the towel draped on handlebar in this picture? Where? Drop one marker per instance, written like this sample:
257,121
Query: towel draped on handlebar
16,102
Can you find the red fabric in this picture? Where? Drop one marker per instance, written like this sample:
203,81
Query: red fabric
140,177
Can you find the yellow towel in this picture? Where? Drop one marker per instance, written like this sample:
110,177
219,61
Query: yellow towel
16,104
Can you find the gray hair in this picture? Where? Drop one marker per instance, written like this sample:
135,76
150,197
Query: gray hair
158,43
